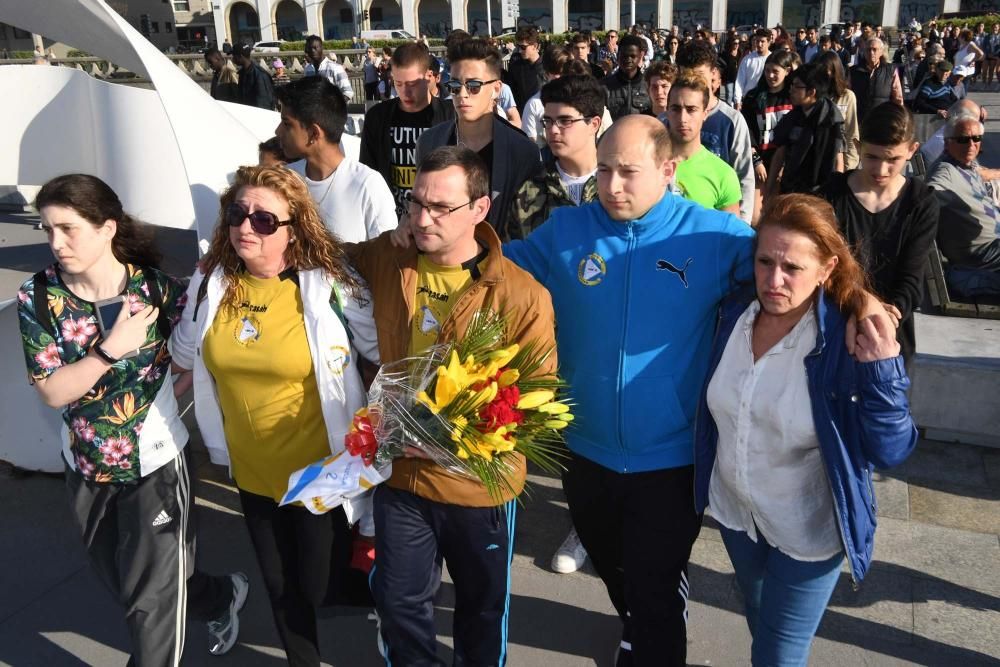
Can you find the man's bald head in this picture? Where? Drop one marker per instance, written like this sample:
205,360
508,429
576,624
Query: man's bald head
966,108
633,167
645,130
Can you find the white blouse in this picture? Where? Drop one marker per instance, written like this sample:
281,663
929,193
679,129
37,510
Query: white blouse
769,473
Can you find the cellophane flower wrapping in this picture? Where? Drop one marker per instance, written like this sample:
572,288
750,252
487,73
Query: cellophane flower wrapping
471,404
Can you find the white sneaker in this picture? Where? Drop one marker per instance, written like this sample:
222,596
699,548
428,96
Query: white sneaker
570,556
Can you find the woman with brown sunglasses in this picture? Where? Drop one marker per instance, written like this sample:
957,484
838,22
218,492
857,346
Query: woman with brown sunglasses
273,330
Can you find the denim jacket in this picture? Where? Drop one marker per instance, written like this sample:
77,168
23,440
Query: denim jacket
862,418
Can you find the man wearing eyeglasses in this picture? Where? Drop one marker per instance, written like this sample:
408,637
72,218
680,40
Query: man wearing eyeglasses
970,240
425,294
525,74
573,106
511,157
353,200
392,127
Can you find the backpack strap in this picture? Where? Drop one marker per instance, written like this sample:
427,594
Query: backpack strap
40,302
202,293
337,305
156,297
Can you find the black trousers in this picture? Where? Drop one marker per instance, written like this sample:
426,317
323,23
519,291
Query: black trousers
638,529
140,539
371,90
301,560
412,536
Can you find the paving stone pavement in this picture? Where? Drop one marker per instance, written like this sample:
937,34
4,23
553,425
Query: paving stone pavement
932,596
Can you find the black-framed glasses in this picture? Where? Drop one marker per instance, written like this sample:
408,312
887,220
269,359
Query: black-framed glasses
562,122
436,211
524,47
472,85
974,138
262,222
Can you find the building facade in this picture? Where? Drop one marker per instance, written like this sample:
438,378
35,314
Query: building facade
255,20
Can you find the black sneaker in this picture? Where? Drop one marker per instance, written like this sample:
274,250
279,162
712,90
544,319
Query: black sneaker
223,631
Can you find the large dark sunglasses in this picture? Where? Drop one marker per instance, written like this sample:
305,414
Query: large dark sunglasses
472,85
975,138
262,222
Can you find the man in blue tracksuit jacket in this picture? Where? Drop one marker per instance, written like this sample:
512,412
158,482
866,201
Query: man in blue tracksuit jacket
636,280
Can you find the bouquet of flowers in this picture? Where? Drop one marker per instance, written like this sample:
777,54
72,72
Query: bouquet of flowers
470,405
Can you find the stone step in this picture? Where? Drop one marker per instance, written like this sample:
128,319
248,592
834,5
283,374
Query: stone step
956,379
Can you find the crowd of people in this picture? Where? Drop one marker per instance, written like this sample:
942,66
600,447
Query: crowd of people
718,235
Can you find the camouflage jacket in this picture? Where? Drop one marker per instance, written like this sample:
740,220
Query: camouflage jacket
539,196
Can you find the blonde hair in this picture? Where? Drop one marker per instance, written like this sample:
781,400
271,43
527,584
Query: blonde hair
314,246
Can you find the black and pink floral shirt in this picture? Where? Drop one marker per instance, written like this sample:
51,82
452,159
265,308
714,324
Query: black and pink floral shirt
104,425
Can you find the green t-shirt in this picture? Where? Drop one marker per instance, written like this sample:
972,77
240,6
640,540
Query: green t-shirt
706,179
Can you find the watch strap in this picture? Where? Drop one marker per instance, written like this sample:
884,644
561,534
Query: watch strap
103,354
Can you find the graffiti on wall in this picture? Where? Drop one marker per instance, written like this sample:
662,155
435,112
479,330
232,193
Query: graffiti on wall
983,6
689,18
862,11
922,10
746,17
477,27
434,28
586,22
541,21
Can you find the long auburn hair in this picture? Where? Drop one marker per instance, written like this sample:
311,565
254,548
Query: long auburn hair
315,247
814,217
95,201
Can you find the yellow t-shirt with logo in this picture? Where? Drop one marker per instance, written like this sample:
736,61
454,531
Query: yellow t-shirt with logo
438,287
266,385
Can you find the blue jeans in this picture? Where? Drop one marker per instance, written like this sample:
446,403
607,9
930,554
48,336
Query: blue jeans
785,598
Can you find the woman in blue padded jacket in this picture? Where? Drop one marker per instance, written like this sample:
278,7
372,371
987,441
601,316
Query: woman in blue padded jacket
791,425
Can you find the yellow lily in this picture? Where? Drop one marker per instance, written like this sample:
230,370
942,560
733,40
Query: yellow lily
533,399
509,377
555,423
452,379
553,408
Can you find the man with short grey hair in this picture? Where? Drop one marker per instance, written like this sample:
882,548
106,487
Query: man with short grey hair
970,239
873,80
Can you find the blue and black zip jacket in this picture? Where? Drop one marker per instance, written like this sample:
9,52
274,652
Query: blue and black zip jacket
862,418
636,305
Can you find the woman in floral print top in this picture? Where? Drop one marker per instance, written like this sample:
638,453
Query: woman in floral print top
105,423
123,440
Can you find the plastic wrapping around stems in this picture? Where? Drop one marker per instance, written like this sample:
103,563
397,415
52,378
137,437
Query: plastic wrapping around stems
400,421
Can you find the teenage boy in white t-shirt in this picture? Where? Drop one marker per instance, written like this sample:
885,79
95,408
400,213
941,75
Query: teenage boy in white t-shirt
354,200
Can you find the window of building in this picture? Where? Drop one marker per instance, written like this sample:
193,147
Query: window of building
182,6
168,26
376,14
21,34
155,26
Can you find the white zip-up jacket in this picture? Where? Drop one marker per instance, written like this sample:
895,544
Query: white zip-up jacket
337,378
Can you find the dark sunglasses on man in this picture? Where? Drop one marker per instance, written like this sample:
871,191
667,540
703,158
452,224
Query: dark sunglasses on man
472,85
264,223
974,138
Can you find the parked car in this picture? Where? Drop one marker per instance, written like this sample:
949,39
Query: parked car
268,47
385,34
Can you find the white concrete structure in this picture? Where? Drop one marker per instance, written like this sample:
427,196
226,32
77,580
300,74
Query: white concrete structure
252,20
